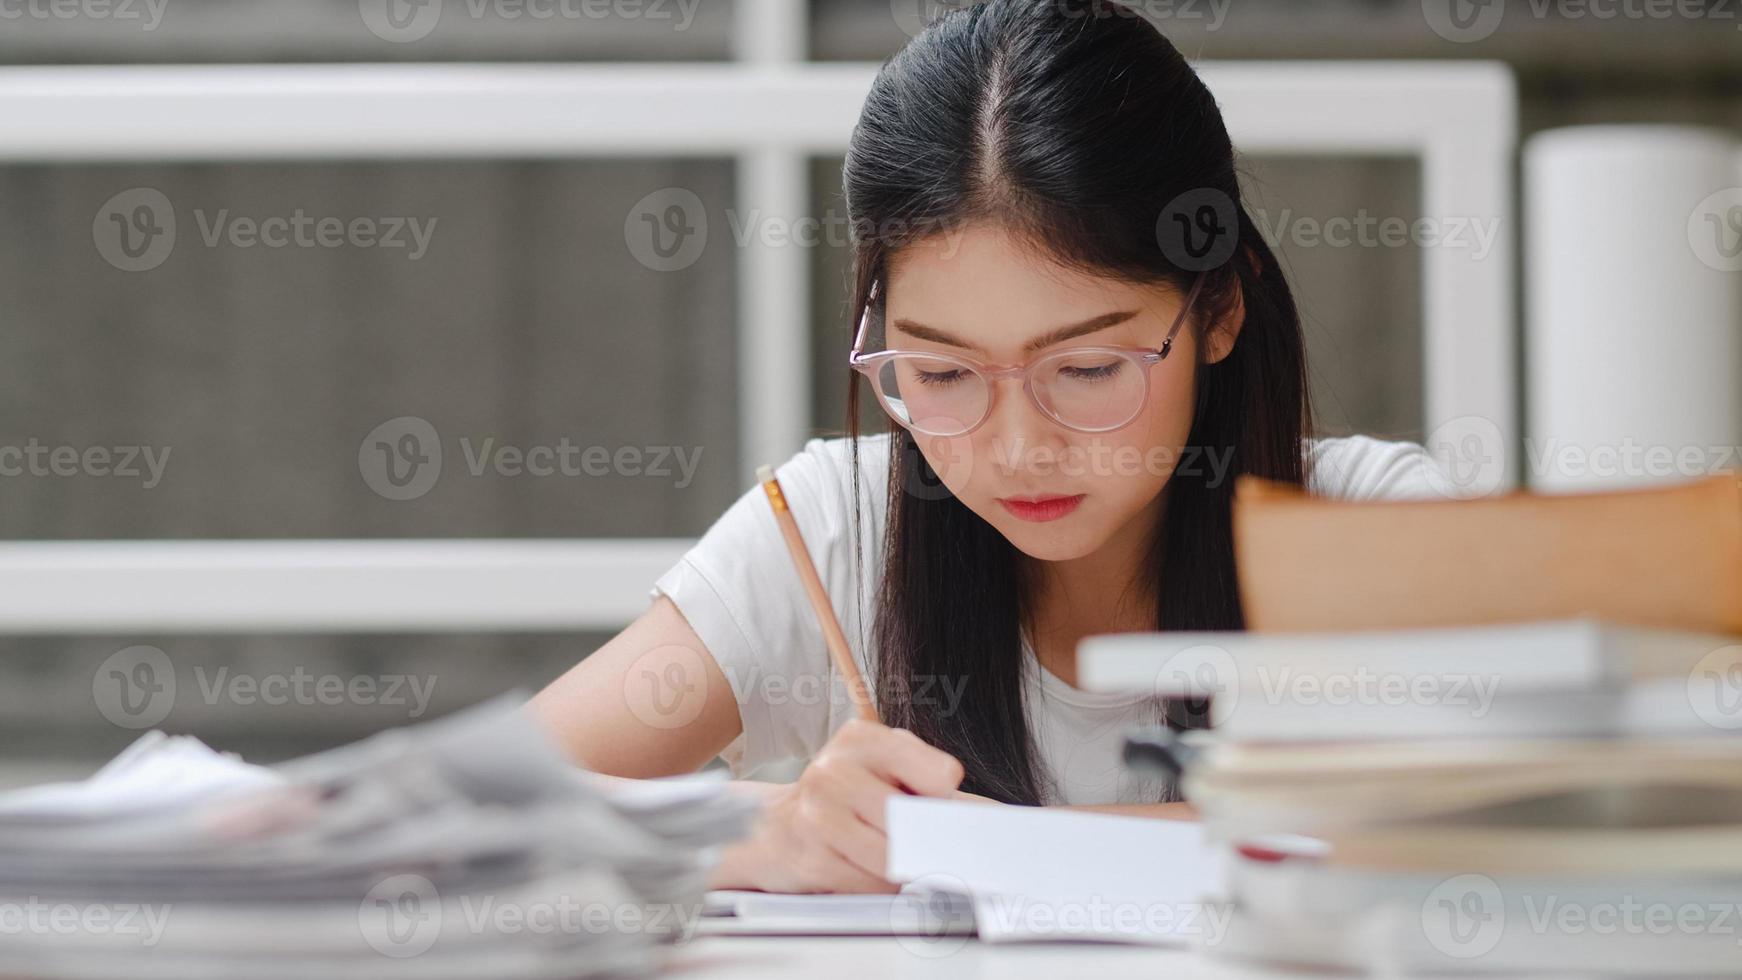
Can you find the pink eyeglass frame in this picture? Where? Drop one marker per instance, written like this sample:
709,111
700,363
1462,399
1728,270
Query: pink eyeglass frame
1144,357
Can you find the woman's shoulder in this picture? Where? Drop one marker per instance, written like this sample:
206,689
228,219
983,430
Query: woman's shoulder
830,460
1361,467
838,449
820,478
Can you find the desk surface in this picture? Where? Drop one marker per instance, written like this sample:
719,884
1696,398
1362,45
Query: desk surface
716,957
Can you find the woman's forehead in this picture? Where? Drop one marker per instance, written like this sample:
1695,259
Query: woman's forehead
987,291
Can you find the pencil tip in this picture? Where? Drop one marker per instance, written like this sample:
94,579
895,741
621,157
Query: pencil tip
764,473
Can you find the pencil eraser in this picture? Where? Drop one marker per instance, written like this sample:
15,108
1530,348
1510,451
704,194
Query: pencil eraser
764,473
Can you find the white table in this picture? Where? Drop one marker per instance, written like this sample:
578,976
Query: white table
723,957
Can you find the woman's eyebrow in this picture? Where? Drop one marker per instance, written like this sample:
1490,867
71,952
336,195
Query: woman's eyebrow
920,331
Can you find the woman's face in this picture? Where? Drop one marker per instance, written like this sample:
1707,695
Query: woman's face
979,293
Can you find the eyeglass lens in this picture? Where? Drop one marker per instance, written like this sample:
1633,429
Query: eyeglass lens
1083,389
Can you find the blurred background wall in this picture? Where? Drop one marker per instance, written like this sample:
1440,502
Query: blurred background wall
525,319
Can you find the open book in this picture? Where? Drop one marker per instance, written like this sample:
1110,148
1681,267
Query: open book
1009,873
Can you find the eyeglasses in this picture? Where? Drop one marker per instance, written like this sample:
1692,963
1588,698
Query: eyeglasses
1088,389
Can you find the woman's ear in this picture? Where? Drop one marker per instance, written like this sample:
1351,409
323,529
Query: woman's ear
1222,335
1226,332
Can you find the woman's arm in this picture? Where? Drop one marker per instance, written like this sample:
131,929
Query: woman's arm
654,702
651,702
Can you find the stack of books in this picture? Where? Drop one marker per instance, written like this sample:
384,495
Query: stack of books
1440,749
463,847
1561,795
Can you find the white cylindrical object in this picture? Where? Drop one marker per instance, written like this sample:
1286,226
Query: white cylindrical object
1634,322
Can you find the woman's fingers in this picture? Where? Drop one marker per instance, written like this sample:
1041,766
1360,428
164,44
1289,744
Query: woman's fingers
902,758
847,854
863,791
853,799
826,833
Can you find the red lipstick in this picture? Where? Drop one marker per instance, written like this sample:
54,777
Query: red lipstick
1047,507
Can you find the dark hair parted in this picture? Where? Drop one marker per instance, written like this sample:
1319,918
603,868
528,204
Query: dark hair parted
1076,126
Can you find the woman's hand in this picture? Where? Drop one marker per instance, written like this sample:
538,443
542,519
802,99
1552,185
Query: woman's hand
825,832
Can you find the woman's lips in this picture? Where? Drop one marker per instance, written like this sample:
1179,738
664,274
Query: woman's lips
1045,508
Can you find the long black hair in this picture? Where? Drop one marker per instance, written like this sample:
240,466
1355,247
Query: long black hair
1080,128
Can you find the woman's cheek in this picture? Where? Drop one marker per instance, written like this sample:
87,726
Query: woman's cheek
1158,441
953,460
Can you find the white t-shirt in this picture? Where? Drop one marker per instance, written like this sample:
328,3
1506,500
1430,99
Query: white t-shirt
739,591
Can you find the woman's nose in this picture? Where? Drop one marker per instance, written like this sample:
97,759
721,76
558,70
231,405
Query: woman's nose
1016,426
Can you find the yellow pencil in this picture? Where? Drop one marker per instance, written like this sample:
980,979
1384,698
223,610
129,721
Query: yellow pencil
819,597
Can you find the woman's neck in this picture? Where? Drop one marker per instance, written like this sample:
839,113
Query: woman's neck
1105,591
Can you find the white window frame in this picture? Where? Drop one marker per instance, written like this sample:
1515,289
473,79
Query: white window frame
772,112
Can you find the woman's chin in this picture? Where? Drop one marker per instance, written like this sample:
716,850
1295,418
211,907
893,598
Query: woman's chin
1060,540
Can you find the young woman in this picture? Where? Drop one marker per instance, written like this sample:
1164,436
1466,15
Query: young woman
1074,377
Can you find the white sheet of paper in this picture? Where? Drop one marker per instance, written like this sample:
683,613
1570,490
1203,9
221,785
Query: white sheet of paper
913,912
157,770
1044,872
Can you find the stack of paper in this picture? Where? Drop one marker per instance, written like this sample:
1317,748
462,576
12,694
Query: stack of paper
464,847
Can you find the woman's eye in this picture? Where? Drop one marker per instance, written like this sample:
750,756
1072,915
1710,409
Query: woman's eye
939,377
1090,372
